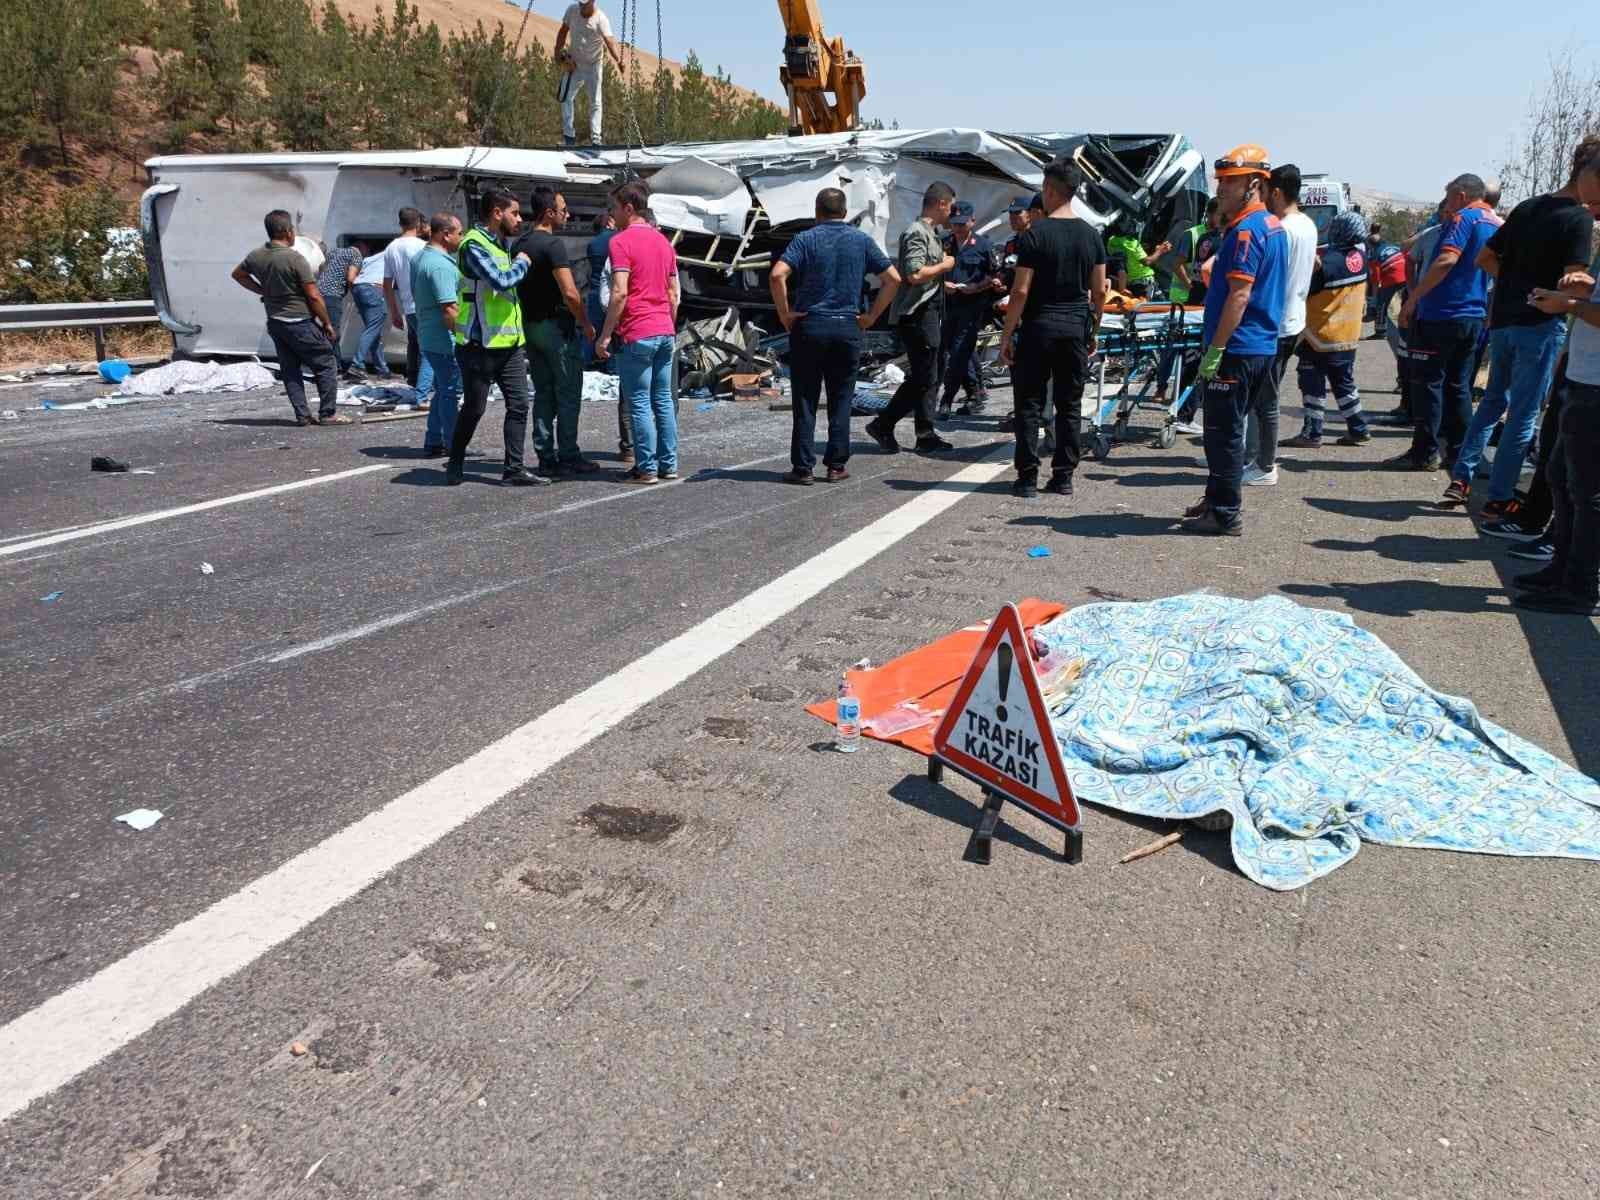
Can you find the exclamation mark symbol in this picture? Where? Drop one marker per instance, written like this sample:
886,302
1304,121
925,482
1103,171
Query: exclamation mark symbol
1006,654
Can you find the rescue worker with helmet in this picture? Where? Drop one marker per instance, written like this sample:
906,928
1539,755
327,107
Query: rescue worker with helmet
1244,305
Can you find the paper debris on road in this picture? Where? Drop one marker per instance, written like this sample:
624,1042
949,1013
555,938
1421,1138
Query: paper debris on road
140,818
207,569
10,414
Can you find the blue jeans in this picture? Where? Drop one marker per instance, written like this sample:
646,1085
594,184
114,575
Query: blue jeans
597,318
424,371
443,374
1522,363
1444,357
374,316
644,370
336,319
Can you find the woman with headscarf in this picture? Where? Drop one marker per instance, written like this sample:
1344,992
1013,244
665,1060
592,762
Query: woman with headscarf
1334,309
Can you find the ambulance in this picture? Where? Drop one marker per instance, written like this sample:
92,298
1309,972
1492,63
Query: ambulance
1322,199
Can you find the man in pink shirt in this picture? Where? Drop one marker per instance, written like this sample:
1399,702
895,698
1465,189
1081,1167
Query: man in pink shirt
643,313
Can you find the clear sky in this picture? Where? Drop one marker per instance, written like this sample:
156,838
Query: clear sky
1398,96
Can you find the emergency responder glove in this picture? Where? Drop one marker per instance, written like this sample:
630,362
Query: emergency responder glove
1209,363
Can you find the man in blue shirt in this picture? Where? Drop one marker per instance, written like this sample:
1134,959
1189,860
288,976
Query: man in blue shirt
968,293
1244,307
829,263
1444,317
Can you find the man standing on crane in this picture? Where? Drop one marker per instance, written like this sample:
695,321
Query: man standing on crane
588,30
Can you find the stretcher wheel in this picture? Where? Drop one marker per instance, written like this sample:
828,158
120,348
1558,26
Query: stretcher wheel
1099,447
1169,436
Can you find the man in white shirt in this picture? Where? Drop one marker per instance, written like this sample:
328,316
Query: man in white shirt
397,295
1283,202
581,46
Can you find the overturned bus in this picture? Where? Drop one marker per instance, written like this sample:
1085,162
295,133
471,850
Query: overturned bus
730,208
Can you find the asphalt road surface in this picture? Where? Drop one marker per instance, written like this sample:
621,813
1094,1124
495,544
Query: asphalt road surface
376,947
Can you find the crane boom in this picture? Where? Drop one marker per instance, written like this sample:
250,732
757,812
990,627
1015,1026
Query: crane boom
813,67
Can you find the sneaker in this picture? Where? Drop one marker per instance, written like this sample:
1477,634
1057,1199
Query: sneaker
1025,489
1404,462
799,476
1559,601
1511,529
1543,580
837,474
1208,524
1192,428
580,466
1302,441
1497,509
1355,439
669,474
932,444
1197,510
523,478
884,437
1456,493
638,476
973,407
434,452
1059,485
1254,476
1541,550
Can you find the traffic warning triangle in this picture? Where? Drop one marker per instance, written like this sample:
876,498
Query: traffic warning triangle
997,731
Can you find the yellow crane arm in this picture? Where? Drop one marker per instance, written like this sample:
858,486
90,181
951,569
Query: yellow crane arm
813,68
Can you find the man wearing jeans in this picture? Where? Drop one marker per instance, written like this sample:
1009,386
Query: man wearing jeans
1444,317
397,293
1544,240
1244,310
825,324
918,313
297,319
436,291
1261,426
643,309
489,341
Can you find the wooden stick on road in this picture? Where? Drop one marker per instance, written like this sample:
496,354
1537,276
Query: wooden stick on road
1155,847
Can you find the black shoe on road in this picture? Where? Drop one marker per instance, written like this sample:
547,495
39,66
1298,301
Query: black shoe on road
800,476
453,474
1024,489
1404,462
1355,439
523,478
884,437
1059,485
932,444
1547,580
579,466
434,452
1559,601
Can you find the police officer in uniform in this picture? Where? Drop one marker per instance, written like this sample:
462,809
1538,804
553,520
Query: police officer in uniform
967,290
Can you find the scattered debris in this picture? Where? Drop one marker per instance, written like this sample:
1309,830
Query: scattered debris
1038,551
490,927
10,414
114,370
315,1167
723,353
110,466
600,387
207,569
140,818
1155,847
299,1049
51,598
141,471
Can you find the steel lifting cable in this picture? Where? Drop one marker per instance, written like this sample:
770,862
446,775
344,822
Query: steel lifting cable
480,148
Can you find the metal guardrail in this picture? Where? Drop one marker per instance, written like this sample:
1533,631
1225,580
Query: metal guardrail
96,315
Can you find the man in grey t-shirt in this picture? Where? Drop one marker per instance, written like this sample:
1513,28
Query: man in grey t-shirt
918,313
297,319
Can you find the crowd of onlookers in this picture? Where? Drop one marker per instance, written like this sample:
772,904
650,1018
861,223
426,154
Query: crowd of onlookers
499,305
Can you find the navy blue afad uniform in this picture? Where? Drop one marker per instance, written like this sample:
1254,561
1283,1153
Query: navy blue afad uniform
964,316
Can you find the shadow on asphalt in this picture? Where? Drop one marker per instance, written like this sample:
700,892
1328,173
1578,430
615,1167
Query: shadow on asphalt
1103,525
1402,597
995,487
1151,479
258,422
938,801
1392,511
743,475
390,453
1408,548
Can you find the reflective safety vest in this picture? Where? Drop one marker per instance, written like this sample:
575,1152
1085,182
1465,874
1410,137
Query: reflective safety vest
490,318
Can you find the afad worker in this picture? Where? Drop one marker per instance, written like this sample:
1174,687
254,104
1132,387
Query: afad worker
1244,306
968,290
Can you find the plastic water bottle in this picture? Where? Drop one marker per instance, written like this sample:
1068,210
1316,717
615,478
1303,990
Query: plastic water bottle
847,735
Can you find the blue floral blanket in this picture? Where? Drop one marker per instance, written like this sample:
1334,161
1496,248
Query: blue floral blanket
1309,731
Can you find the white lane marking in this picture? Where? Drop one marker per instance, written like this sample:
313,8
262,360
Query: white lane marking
166,514
71,1032
378,626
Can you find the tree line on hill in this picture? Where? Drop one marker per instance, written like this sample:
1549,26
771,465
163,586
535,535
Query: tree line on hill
90,78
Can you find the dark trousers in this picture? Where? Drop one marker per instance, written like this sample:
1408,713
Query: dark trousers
413,353
303,347
1239,385
336,319
1261,425
1540,505
1575,488
1046,354
920,336
1444,360
962,324
1380,319
824,352
481,369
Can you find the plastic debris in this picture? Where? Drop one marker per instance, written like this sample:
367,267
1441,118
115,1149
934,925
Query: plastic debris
1038,551
140,818
207,569
141,471
51,598
600,387
10,414
109,466
114,370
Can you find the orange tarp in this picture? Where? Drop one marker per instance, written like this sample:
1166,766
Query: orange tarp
928,675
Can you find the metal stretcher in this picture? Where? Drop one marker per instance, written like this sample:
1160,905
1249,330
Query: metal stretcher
1133,352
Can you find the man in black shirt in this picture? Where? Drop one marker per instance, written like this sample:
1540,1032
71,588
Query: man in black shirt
1059,295
554,321
1545,239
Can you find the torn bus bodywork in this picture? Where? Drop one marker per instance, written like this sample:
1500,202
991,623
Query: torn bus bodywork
730,208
